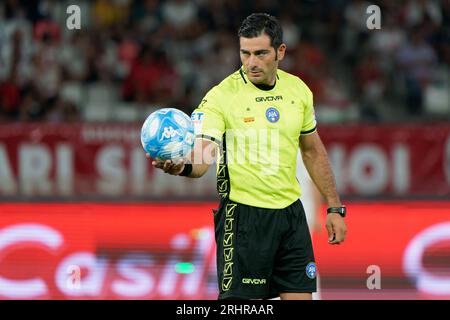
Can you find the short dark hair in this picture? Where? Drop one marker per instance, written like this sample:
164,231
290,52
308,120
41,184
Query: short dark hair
257,23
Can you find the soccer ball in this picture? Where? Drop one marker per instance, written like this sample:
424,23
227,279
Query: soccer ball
167,134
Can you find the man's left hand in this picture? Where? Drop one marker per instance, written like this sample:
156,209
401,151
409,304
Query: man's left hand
336,228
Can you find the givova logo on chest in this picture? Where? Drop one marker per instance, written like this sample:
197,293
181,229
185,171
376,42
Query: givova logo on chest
269,98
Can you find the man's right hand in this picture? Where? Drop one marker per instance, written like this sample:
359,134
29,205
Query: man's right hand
168,166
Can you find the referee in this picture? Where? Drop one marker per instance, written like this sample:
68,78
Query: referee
252,124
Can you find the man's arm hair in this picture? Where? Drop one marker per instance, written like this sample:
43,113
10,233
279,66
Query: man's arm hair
203,154
316,162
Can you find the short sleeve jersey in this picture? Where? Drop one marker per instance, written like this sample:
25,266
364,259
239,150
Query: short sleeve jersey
258,133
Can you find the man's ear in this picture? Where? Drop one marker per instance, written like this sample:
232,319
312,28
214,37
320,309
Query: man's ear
281,51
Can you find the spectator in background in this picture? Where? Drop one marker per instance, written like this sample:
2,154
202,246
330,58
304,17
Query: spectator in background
416,60
430,15
9,97
180,18
291,32
194,35
62,110
46,65
9,88
220,15
417,11
355,32
207,69
443,45
310,64
387,41
435,21
47,29
370,85
127,50
146,15
16,45
313,67
151,79
108,13
32,105
333,21
72,57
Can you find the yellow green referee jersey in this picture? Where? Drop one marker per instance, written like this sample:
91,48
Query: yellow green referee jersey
257,129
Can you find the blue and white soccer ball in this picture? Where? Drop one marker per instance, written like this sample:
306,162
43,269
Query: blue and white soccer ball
167,134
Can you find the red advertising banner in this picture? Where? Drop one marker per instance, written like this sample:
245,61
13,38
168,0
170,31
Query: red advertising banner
392,160
406,244
107,160
165,251
97,251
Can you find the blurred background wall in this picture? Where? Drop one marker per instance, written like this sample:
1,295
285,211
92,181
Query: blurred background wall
132,56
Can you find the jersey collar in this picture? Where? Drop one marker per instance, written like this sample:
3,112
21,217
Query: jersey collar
263,87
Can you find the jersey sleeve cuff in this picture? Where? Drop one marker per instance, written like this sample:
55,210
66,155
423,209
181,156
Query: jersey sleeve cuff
309,131
209,138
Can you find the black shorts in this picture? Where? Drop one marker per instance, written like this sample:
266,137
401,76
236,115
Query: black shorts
263,252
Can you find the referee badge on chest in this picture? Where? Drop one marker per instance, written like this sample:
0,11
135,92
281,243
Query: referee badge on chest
272,114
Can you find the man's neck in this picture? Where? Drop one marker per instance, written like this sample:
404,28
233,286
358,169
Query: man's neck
264,86
269,85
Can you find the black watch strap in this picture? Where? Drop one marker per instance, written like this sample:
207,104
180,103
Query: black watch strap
186,170
339,210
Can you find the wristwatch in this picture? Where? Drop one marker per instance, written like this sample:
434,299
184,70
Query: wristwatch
342,211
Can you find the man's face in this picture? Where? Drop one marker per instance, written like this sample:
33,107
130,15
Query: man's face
259,58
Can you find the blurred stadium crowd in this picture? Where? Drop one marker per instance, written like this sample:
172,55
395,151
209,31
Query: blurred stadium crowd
134,55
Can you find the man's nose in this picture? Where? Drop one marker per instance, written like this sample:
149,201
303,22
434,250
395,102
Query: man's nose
252,62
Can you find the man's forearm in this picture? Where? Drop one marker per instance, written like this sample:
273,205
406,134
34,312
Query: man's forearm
319,168
202,155
198,170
